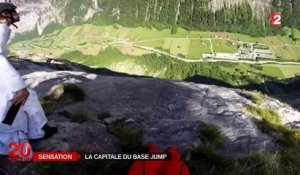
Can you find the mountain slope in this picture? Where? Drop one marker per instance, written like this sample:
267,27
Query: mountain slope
192,14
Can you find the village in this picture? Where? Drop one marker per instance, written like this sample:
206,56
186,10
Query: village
246,51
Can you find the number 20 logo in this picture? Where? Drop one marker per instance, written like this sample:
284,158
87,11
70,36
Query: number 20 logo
276,19
20,152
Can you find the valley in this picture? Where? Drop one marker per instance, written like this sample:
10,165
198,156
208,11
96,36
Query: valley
138,51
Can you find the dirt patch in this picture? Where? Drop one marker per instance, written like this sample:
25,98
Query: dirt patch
127,49
93,50
124,32
221,35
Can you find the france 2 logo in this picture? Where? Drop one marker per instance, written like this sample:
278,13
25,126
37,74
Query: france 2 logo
276,19
22,152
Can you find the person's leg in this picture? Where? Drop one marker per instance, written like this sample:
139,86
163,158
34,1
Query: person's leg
49,131
37,121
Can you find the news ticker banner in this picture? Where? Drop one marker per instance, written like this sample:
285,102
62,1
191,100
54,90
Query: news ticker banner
23,152
74,157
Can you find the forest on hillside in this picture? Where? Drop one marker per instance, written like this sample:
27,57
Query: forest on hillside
188,14
197,15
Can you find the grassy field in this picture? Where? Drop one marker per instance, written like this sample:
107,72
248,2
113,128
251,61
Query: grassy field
289,71
105,58
180,46
276,40
93,50
167,44
92,43
273,71
291,53
154,44
140,33
198,47
281,71
237,36
129,50
224,46
88,34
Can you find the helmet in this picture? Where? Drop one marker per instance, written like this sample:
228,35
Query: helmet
6,6
7,10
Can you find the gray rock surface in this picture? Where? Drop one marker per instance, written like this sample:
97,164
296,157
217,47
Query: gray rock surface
289,115
259,7
168,112
88,136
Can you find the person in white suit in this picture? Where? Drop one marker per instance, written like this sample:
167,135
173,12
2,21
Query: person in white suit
30,120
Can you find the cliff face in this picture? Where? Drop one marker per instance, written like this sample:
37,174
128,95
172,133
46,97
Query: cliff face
256,4
36,15
147,100
165,112
259,7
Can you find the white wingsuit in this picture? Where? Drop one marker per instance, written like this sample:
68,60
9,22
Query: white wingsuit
31,117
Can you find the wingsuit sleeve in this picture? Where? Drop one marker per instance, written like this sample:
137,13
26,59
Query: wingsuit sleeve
8,74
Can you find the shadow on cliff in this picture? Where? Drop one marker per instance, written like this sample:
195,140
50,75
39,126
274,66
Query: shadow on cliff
211,81
286,91
72,66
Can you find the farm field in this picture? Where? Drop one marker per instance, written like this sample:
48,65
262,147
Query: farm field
90,43
281,71
185,43
224,46
292,52
198,47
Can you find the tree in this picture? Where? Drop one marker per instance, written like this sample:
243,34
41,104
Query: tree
174,30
